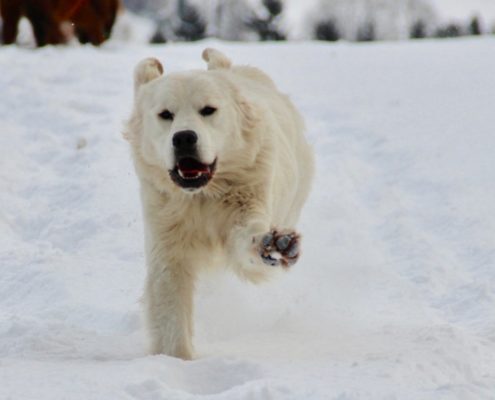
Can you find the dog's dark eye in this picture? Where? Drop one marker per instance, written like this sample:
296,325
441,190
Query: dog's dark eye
165,114
205,111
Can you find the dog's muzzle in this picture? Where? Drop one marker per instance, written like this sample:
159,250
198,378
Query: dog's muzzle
189,173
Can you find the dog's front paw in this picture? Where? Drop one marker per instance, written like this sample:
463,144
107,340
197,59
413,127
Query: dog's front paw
279,248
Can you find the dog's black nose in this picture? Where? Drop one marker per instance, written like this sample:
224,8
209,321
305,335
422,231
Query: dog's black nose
185,140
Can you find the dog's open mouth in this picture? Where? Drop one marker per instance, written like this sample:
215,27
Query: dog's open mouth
190,173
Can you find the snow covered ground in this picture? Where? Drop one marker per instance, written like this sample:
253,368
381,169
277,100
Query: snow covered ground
394,297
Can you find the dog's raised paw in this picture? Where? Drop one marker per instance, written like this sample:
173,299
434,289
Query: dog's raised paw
280,248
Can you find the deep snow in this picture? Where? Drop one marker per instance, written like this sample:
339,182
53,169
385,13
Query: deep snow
394,297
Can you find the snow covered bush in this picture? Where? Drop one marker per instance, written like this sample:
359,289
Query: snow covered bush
267,25
418,30
226,19
369,19
449,31
253,20
327,30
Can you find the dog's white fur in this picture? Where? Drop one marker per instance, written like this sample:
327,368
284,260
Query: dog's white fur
263,176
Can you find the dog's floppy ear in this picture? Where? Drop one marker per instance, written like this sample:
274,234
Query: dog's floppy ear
215,59
147,70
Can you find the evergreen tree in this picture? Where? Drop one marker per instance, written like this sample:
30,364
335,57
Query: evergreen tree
327,30
418,30
274,7
474,26
366,33
159,36
190,26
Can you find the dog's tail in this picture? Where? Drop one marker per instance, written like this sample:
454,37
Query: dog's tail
216,59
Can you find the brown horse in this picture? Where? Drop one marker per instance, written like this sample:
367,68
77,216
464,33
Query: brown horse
92,20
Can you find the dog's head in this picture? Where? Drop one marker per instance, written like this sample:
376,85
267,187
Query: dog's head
190,123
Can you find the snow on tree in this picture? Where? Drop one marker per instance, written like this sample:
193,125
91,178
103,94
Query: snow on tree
243,19
229,19
240,20
372,19
226,19
266,25
175,19
190,24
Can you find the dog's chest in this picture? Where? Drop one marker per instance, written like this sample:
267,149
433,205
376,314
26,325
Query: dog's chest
196,224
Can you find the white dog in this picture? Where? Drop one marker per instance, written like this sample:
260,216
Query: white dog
224,170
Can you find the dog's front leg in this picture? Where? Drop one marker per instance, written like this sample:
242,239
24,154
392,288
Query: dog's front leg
169,307
256,247
168,292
